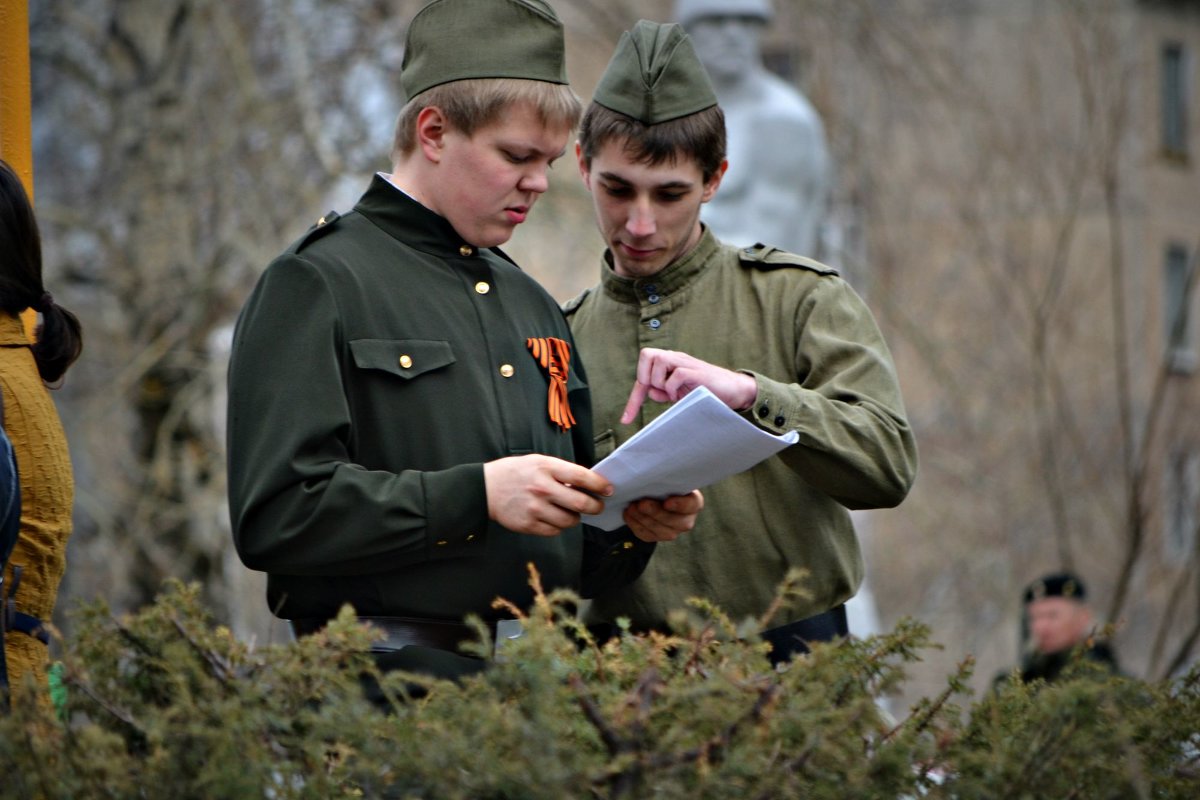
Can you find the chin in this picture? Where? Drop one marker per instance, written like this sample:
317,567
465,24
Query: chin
485,240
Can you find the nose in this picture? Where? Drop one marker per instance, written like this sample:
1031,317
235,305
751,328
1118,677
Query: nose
534,181
640,222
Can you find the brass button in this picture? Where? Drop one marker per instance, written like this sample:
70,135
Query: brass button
483,287
405,361
507,370
466,250
627,545
442,543
470,536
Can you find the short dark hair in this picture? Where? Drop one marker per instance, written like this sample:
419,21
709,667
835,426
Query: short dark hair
59,339
699,137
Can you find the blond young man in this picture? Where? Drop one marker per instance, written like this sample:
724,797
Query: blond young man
409,420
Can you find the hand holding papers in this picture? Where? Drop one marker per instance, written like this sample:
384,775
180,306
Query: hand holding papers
695,442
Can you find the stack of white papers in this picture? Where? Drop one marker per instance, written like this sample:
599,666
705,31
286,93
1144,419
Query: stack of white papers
695,442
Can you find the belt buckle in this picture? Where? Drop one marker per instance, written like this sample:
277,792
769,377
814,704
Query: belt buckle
506,631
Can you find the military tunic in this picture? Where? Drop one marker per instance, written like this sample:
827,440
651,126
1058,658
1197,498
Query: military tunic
1050,667
379,362
821,368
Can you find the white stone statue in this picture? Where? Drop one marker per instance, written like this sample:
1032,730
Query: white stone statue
777,189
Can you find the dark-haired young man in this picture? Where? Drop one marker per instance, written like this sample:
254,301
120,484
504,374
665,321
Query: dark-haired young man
409,422
774,335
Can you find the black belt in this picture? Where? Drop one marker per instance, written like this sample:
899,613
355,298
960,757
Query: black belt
794,638
401,632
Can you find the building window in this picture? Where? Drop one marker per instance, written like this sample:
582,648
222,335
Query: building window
1181,355
1174,101
1183,505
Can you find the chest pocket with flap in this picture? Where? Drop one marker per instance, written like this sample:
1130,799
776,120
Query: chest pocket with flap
406,358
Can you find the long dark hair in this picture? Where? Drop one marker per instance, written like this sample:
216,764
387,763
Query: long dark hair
60,339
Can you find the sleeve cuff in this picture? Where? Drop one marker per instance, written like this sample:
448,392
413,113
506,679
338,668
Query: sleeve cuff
626,545
775,407
456,512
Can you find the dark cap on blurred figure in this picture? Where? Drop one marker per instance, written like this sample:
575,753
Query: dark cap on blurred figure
1058,584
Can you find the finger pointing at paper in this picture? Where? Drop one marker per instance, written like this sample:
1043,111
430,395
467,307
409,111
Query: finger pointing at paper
665,376
695,442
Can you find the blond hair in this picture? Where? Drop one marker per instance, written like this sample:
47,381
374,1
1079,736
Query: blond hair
476,102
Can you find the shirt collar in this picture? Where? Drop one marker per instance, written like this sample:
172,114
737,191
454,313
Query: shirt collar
403,218
668,280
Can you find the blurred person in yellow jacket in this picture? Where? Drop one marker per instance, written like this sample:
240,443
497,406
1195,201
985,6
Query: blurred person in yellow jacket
35,567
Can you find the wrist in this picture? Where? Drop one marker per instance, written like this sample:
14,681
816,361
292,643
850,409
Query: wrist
747,392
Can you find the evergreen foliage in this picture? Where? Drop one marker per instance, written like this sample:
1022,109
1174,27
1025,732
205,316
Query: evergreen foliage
164,703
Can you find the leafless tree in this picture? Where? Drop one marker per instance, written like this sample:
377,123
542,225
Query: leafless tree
1001,159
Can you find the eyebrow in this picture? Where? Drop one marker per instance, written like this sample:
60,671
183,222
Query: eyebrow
615,178
534,150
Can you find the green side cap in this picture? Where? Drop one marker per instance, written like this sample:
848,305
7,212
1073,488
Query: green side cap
453,40
655,76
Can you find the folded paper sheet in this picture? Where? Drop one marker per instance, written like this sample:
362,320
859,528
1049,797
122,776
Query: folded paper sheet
695,442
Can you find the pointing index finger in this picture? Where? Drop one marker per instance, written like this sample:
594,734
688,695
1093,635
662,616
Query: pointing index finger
636,398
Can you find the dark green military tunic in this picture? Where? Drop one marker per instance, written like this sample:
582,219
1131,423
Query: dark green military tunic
1049,667
822,369
380,361
1094,658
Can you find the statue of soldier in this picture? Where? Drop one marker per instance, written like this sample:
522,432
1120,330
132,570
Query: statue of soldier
778,184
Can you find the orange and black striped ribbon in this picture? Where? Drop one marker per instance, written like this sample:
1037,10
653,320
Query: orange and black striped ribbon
555,357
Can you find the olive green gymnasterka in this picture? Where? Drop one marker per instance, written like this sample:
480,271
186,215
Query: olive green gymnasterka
822,369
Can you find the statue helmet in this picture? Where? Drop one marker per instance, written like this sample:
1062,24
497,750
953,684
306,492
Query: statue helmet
688,11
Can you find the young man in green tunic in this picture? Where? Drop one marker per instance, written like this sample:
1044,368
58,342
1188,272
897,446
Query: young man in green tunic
409,420
776,336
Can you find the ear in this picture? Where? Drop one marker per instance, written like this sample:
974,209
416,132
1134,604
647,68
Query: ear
714,182
585,170
432,127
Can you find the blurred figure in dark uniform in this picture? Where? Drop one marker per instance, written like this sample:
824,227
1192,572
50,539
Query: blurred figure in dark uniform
1060,629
